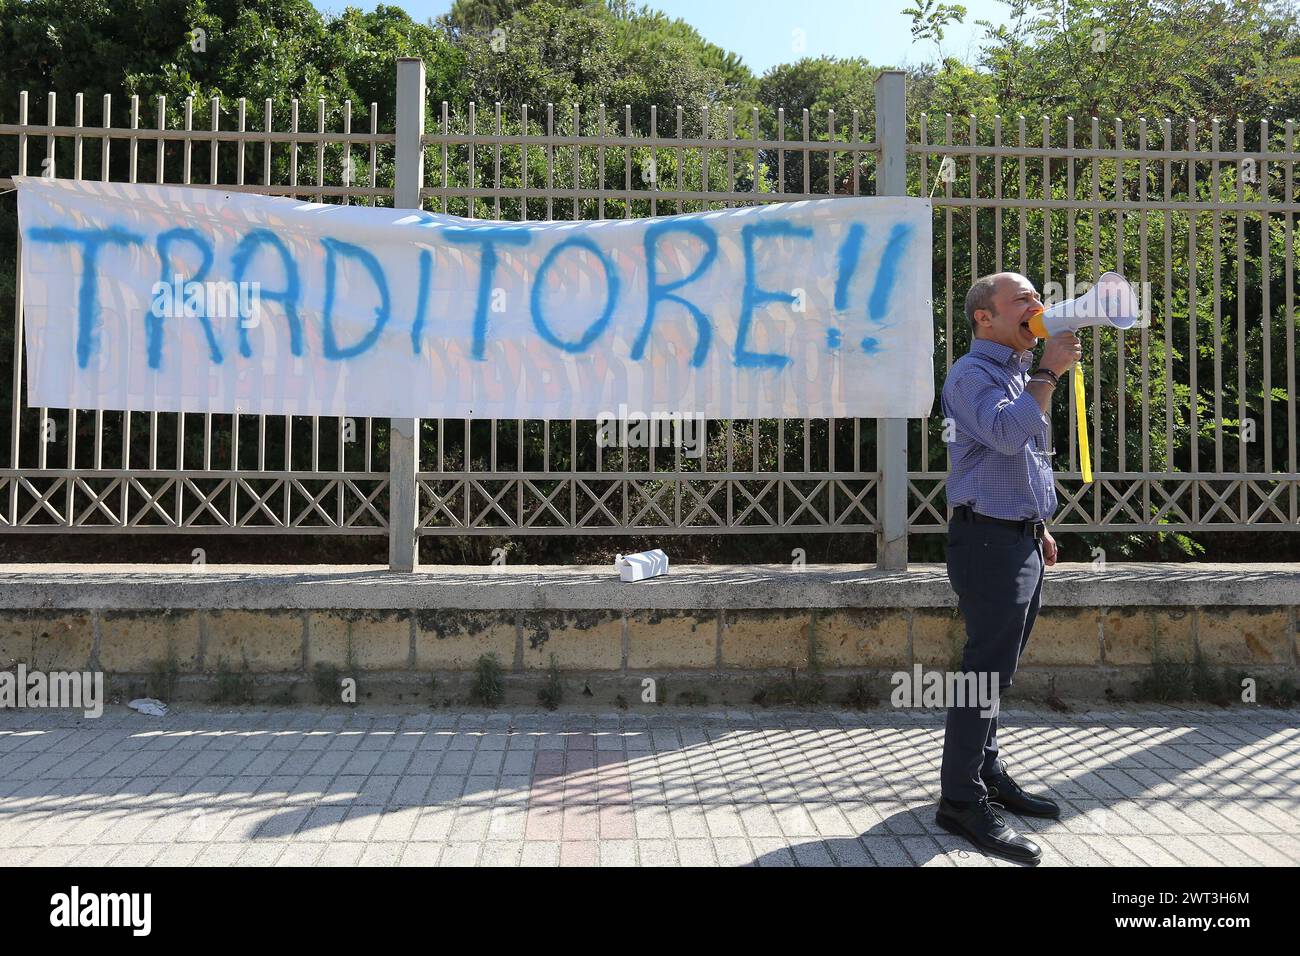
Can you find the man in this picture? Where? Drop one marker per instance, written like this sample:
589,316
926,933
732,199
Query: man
1001,490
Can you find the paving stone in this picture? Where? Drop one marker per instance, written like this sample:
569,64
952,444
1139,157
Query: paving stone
1139,785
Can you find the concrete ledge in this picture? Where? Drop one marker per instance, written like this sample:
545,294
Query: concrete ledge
686,588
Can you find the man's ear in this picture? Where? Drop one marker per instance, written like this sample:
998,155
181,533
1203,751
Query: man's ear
983,319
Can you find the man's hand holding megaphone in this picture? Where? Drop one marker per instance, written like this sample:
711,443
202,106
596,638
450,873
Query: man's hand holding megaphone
1061,351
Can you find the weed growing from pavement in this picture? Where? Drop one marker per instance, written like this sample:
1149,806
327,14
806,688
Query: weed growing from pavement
234,686
805,691
860,696
327,678
551,693
161,680
1174,680
487,689
286,696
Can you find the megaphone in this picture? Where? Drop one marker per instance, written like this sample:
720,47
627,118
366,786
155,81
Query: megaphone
1111,301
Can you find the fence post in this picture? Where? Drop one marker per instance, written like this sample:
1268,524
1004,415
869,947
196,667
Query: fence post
891,433
403,433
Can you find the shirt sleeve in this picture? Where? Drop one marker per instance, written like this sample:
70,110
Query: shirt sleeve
981,409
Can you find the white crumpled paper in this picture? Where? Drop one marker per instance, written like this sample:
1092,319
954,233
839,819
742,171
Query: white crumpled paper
149,706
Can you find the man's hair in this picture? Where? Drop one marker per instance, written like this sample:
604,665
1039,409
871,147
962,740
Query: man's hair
980,296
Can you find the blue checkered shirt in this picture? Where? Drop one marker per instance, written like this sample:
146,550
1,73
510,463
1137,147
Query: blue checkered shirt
1001,465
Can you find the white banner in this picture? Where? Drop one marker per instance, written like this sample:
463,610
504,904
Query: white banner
168,298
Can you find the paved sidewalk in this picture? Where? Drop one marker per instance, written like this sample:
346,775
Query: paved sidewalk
1139,786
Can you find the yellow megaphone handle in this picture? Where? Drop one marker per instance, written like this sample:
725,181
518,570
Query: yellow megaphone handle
1039,329
1081,417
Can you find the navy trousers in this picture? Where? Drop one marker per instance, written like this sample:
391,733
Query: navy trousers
997,572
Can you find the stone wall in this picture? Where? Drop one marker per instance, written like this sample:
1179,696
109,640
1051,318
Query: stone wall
279,628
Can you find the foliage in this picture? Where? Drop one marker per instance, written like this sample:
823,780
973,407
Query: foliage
487,690
860,695
551,694
327,679
234,686
160,681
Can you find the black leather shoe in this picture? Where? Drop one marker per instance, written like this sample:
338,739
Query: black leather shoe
984,827
1002,789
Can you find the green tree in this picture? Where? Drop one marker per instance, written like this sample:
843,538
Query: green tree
818,86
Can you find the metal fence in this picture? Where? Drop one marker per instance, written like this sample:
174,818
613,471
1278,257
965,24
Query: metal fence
1144,211
104,471
1193,415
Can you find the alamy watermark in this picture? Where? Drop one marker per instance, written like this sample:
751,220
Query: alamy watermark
628,429
216,300
74,690
130,910
919,688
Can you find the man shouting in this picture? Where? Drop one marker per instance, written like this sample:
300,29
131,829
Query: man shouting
1001,491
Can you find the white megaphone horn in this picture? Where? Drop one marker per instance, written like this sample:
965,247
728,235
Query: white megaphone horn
1111,301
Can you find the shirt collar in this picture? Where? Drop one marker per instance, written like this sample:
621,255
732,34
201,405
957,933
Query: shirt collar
1002,354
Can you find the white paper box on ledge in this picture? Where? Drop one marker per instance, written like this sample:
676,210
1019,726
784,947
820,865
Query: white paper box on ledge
637,567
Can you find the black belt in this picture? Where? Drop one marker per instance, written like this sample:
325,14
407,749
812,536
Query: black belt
1024,525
